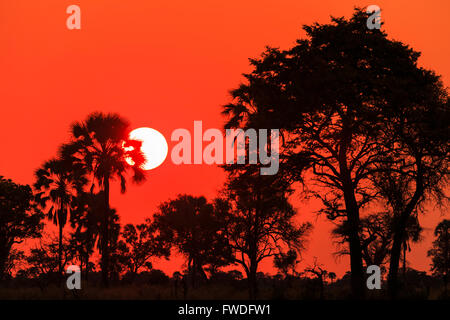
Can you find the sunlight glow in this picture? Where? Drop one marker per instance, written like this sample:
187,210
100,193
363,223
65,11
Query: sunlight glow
154,146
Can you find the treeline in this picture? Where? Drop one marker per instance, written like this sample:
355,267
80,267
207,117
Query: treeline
202,233
247,224
364,129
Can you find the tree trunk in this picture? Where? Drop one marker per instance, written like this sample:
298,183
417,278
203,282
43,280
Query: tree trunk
399,236
82,270
252,281
5,250
357,276
60,266
445,285
352,211
86,261
404,260
194,272
394,263
446,262
322,288
105,242
356,266
400,230
2,266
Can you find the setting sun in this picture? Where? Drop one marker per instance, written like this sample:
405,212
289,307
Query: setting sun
154,147
225,150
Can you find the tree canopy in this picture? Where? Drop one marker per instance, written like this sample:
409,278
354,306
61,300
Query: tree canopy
355,111
19,218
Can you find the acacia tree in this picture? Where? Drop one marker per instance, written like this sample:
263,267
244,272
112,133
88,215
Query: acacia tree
15,260
375,236
440,252
286,262
417,166
321,275
336,97
45,257
19,219
259,219
139,244
101,145
194,227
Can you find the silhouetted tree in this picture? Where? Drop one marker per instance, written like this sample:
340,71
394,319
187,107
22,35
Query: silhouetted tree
332,276
177,278
102,146
139,244
14,261
58,183
413,234
321,274
227,277
19,219
440,252
156,276
44,259
376,238
376,235
259,220
286,262
194,227
341,97
418,151
86,220
116,268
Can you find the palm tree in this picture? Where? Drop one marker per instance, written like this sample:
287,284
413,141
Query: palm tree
57,185
101,145
413,234
86,221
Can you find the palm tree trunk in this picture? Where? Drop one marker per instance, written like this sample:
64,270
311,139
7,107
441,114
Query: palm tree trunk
5,249
81,265
87,268
105,242
60,277
404,261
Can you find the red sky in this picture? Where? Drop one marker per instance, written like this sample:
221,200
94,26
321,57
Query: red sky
164,64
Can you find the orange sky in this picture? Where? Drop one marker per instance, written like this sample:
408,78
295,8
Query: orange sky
164,64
